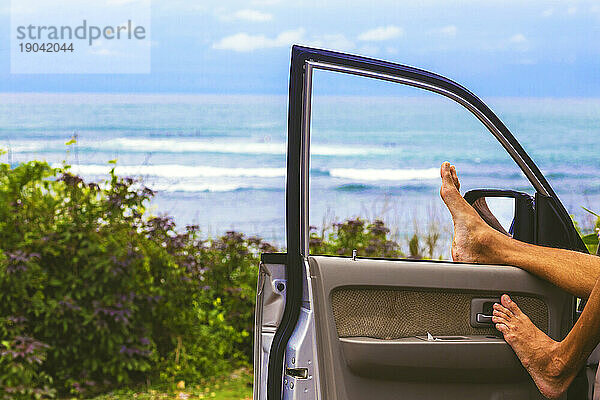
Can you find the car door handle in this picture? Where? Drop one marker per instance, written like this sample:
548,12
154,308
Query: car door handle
484,319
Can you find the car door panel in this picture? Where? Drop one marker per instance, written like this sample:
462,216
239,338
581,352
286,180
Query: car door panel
374,317
270,302
551,230
354,328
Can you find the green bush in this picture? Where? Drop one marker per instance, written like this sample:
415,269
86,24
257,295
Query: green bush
590,232
95,294
231,264
21,374
368,239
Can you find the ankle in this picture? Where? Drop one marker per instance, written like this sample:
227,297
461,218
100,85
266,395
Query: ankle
567,356
486,244
564,361
497,246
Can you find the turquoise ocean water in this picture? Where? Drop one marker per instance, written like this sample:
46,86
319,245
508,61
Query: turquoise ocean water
219,161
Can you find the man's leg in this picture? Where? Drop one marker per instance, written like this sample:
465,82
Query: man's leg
475,241
552,365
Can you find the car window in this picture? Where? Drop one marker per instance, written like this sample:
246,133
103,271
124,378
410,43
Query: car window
376,149
561,135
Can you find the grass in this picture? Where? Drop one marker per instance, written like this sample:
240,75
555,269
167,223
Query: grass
238,386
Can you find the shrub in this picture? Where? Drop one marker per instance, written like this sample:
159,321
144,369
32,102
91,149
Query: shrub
94,294
368,239
21,375
231,264
590,233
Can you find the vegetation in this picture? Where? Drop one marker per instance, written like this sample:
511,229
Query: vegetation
590,234
96,295
372,239
237,386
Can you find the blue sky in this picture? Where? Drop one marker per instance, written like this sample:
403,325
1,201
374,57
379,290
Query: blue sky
495,48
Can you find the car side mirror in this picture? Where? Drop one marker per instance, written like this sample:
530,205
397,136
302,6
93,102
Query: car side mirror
520,207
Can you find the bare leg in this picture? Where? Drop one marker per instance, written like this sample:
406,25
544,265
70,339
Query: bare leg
475,241
552,365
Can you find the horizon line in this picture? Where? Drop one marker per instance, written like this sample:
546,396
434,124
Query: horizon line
249,94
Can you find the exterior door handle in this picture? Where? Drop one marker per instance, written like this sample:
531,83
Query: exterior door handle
484,319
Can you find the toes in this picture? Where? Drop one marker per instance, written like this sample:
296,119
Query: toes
502,309
444,169
502,328
446,174
502,315
511,305
498,319
449,190
455,177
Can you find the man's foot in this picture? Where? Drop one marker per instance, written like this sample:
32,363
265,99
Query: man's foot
471,234
539,354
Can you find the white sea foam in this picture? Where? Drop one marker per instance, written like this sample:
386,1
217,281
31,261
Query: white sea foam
195,187
139,145
26,147
191,146
177,171
232,147
385,174
174,171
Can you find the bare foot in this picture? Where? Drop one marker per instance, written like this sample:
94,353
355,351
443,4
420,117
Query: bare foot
539,354
471,234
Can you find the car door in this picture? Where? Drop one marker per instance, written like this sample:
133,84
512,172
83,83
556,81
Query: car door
339,327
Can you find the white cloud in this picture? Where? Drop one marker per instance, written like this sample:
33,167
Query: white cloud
548,12
518,38
335,41
381,33
252,15
519,42
243,42
99,49
368,50
448,31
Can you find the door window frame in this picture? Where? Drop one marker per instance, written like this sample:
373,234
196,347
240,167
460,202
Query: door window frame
306,60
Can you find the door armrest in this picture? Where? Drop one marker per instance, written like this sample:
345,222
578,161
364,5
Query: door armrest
451,359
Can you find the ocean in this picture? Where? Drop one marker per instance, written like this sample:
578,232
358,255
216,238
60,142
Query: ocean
219,161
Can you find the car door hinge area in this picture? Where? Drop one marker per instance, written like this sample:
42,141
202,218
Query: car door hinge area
299,373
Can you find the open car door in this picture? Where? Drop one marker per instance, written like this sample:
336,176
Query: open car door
333,327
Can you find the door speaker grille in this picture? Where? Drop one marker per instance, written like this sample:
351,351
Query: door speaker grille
397,313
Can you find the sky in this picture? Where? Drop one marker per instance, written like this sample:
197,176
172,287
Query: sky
495,48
